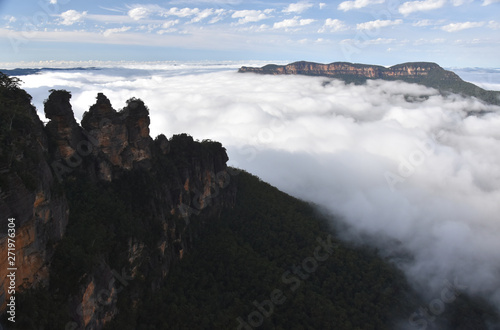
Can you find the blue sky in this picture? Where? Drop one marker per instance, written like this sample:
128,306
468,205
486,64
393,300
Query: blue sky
461,33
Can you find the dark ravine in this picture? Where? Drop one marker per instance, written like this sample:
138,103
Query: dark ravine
424,73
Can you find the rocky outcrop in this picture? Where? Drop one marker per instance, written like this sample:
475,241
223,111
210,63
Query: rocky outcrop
63,129
173,180
424,73
119,139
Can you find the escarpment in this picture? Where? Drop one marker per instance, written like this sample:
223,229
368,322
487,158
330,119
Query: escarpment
425,73
341,69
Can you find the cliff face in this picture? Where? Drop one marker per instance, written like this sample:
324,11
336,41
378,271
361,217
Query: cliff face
46,178
424,73
340,69
26,192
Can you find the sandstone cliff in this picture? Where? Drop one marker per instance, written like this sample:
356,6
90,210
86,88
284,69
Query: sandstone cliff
164,191
425,73
27,193
339,69
122,138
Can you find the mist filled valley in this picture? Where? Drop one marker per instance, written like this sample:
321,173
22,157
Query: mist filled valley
403,170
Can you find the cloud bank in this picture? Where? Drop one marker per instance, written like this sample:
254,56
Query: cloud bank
413,172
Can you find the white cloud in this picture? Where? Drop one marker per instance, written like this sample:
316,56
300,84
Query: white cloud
108,32
425,5
371,25
71,17
184,12
169,24
246,16
333,25
53,2
357,4
298,7
10,19
307,21
494,25
322,5
292,22
489,2
454,27
139,13
202,15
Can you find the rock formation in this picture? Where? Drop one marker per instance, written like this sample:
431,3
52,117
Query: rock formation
178,178
340,69
27,192
122,137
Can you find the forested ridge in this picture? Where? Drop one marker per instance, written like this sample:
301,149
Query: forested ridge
265,245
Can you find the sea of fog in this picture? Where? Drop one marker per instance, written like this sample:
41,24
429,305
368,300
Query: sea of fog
406,169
